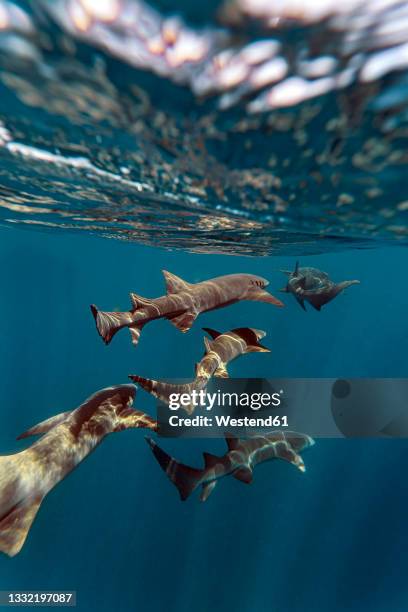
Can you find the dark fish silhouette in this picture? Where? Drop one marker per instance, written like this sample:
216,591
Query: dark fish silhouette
183,303
224,348
314,286
27,477
239,461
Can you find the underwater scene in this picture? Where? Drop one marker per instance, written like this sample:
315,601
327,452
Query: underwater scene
196,195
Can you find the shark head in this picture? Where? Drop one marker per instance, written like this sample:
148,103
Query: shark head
251,337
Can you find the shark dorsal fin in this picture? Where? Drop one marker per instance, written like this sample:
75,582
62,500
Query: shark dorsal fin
210,460
232,442
296,272
175,284
207,345
244,474
212,332
138,301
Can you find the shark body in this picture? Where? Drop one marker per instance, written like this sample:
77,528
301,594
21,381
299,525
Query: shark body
224,348
183,303
242,456
313,286
26,477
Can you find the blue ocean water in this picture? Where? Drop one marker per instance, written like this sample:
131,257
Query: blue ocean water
333,539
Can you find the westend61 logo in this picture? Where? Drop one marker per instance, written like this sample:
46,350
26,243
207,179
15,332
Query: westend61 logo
222,399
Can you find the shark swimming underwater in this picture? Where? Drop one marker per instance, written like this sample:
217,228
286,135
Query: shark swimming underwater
26,477
224,348
314,286
183,303
242,456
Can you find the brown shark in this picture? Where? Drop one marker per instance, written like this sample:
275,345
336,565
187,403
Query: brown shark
313,286
183,303
224,348
27,476
239,461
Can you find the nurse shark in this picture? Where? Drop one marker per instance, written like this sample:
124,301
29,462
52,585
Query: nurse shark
224,348
26,477
183,303
242,456
314,286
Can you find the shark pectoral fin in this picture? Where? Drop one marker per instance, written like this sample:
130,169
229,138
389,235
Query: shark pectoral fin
221,371
135,331
257,348
184,321
45,426
244,474
318,300
284,290
15,525
287,272
212,332
300,301
260,295
135,419
207,489
175,284
288,454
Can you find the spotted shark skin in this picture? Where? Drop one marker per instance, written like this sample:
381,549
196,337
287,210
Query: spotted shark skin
239,461
224,348
183,303
313,286
68,438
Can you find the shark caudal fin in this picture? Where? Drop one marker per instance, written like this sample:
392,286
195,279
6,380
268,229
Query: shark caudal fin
15,524
184,477
19,502
163,391
109,323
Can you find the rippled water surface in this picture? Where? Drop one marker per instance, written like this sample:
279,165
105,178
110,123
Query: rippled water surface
232,128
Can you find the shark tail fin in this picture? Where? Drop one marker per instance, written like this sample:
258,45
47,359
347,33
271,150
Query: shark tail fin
162,391
108,323
16,523
184,477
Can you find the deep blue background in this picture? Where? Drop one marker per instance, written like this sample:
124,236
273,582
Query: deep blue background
333,539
